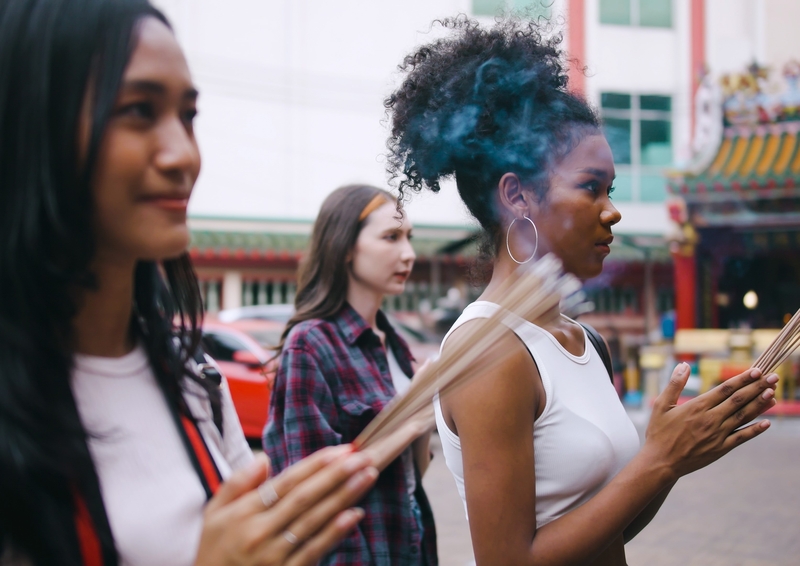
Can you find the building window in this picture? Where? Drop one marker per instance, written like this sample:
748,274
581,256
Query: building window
645,13
267,292
210,289
496,7
614,300
639,130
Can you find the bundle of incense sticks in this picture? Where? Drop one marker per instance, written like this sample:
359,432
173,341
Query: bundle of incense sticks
531,294
782,347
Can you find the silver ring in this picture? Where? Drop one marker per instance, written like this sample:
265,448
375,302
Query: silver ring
269,496
290,537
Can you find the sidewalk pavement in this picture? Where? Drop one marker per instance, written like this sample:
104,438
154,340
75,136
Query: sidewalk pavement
743,510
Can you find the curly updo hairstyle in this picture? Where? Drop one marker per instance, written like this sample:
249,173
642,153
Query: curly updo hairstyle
482,102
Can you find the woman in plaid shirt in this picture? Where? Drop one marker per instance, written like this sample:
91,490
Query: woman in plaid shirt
341,362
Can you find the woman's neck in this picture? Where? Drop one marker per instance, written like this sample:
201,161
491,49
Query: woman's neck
502,270
102,325
366,302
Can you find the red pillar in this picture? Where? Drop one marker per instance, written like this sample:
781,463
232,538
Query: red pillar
685,269
698,49
576,45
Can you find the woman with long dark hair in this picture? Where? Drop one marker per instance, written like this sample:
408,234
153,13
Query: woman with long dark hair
341,362
114,447
544,456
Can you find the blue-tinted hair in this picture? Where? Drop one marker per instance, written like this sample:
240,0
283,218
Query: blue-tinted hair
480,103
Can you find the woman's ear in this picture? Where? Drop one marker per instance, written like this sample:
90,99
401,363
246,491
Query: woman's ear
513,197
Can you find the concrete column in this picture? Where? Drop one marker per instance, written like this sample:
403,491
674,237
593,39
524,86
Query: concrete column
232,290
649,306
436,279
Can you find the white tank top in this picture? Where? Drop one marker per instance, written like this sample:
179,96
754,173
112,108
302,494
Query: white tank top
582,439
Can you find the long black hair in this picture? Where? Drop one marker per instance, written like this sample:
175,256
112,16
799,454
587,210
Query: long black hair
481,102
54,55
322,277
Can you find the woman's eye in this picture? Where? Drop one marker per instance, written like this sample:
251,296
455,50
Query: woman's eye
611,189
190,115
591,186
141,110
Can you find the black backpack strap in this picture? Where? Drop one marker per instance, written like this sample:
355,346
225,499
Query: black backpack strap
211,380
601,348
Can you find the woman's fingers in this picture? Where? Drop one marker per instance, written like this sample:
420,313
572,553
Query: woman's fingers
305,510
240,483
746,404
743,390
315,548
294,475
284,482
744,434
728,389
304,528
319,515
669,397
309,493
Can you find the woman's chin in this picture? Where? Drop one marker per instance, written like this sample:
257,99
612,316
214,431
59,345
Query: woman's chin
587,270
167,250
394,289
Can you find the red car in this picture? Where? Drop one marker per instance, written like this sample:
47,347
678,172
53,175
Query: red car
248,370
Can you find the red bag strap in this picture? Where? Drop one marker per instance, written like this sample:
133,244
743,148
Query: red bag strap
88,540
201,456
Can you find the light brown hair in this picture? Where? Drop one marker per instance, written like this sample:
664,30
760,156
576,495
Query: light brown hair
323,275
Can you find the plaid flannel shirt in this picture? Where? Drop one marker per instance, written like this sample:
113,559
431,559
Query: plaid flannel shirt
332,380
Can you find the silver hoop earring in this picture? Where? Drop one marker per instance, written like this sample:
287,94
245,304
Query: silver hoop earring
535,247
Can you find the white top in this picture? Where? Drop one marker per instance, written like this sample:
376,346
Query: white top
152,495
583,438
401,384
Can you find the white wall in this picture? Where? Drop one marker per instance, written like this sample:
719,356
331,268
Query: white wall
292,90
731,32
291,101
781,37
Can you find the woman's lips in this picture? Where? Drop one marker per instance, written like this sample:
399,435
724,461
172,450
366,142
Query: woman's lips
403,274
605,248
167,203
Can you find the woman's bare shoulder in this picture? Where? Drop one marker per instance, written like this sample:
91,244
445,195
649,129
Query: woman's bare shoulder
509,386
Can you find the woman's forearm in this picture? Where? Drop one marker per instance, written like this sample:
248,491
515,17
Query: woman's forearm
644,518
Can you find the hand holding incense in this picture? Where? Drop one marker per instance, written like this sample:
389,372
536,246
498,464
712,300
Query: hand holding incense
781,348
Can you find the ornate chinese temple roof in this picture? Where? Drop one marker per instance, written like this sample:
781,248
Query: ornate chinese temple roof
759,162
750,129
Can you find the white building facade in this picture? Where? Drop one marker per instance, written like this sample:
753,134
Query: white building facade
291,107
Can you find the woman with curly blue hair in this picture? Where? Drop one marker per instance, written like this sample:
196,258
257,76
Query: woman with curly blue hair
545,458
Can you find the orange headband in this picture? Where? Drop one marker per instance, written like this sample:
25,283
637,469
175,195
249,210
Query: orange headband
377,201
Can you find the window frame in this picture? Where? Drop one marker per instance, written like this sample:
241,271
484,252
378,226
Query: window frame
635,114
636,15
545,6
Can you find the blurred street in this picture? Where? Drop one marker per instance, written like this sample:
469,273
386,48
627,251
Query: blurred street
740,511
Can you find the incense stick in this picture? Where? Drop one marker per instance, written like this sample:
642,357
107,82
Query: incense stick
527,296
782,347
